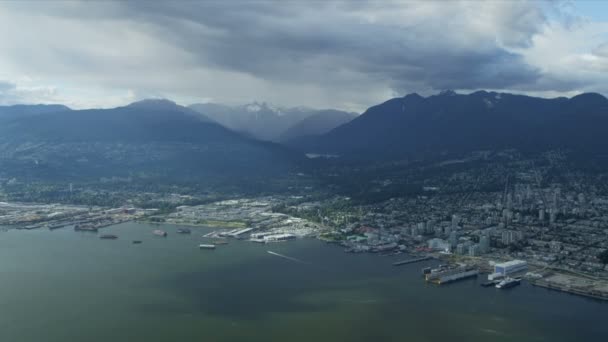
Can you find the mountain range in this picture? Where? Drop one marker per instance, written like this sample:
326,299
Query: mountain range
266,122
414,126
158,139
150,138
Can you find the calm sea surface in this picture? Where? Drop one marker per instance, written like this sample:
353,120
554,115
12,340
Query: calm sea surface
61,286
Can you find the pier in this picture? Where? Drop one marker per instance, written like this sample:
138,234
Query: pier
411,261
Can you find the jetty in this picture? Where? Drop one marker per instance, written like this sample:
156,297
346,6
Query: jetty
411,261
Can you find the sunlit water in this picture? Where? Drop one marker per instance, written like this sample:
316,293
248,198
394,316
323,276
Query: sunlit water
61,286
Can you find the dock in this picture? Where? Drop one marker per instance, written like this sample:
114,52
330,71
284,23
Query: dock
590,292
451,275
411,261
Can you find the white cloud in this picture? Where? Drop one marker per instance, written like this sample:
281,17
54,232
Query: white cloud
323,54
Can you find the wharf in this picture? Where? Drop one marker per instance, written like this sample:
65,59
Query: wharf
411,261
596,292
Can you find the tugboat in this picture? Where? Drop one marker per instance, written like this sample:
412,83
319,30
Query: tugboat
108,237
508,283
159,232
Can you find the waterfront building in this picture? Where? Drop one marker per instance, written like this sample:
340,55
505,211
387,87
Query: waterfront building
510,267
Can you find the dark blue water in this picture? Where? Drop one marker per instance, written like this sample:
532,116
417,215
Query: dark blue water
68,286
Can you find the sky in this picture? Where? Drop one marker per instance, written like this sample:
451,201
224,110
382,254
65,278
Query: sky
324,54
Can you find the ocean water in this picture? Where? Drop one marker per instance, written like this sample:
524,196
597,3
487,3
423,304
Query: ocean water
60,286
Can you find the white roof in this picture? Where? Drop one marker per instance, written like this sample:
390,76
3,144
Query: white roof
511,263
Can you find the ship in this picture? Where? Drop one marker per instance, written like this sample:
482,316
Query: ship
444,275
108,237
159,232
204,246
508,283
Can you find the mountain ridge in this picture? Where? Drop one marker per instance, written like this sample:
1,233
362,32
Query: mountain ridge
260,119
414,125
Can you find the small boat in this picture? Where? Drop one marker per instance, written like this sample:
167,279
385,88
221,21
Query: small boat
184,231
204,246
488,283
108,237
508,283
159,232
136,242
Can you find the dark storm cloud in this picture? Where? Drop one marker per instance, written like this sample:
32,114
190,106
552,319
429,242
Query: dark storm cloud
312,42
346,54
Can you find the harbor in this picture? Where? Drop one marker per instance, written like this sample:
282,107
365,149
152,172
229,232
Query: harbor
204,294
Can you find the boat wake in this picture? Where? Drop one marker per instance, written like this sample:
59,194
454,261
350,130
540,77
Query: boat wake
287,257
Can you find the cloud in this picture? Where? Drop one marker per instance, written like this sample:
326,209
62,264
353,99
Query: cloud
12,93
325,54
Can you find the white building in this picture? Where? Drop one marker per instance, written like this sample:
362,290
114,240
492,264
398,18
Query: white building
510,267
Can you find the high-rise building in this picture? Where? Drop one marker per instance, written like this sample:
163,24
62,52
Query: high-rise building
508,237
474,250
484,244
453,239
455,221
462,249
552,216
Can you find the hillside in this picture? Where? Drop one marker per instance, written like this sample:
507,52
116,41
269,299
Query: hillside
266,122
153,140
317,124
414,126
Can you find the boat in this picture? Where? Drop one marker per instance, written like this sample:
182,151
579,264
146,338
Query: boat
136,242
488,283
56,226
205,246
184,231
108,237
426,270
220,242
508,283
159,232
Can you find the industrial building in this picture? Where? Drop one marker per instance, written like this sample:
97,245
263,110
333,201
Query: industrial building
510,267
